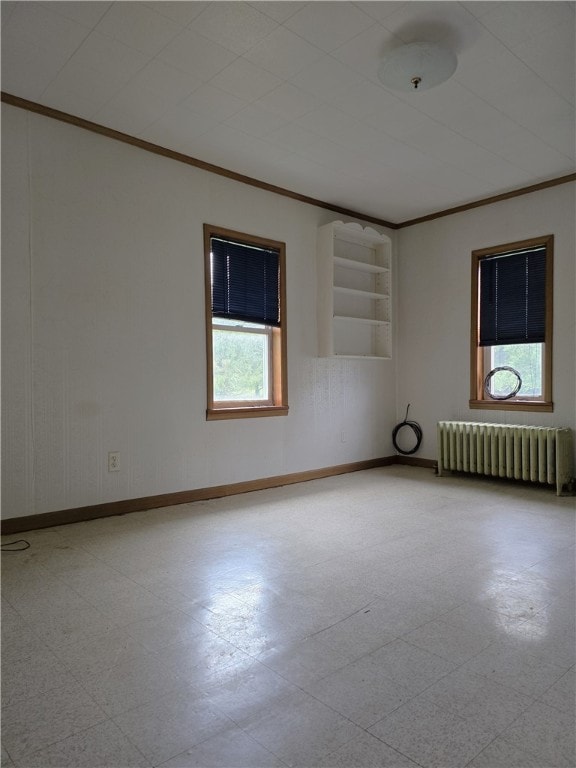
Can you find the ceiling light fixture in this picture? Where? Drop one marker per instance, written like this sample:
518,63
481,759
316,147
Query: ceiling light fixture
417,67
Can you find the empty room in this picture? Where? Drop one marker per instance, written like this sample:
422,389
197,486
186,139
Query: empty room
288,384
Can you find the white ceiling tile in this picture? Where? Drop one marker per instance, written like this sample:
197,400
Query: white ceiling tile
89,88
200,146
196,54
279,11
292,136
214,103
152,92
288,101
496,77
27,70
255,121
328,25
363,165
264,153
479,122
492,169
364,99
562,136
447,177
232,148
6,10
97,72
289,168
326,78
283,53
397,154
364,53
547,55
245,80
480,8
108,57
326,152
181,12
236,26
156,77
178,127
129,113
335,192
324,126
380,10
35,24
334,125
80,105
394,118
138,27
439,141
543,107
85,13
531,154
36,43
514,22
439,102
440,22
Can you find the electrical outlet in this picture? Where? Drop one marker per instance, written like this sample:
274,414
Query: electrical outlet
114,461
343,436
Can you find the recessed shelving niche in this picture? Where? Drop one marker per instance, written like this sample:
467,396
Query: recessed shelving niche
354,292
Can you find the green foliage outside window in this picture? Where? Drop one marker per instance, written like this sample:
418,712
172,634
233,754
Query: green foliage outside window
527,360
240,365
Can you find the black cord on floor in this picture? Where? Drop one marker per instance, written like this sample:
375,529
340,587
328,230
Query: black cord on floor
10,546
415,427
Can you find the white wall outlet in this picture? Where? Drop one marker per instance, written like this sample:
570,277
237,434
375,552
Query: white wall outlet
343,436
114,461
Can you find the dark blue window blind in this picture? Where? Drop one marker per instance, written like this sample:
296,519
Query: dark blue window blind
513,298
245,282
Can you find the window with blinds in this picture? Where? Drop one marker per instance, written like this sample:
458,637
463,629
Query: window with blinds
512,325
513,298
245,282
245,325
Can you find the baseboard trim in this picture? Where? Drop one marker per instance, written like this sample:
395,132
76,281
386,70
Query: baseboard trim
110,509
414,461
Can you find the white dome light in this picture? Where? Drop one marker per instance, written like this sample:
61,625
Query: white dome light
417,67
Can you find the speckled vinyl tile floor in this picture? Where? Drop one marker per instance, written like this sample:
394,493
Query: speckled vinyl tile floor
382,618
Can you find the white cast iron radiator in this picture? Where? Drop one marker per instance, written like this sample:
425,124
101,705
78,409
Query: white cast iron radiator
538,454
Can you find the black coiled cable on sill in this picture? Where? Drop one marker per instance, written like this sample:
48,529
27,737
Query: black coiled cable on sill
415,427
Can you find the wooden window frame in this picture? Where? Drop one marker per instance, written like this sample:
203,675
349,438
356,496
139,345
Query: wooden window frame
478,398
277,405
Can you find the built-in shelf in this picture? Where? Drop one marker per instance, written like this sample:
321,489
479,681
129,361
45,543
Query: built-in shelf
366,320
357,292
354,292
360,266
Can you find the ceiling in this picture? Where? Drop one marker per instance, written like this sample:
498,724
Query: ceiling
288,93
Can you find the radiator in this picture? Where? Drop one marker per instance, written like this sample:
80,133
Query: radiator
536,454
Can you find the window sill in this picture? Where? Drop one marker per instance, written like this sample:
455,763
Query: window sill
512,405
250,412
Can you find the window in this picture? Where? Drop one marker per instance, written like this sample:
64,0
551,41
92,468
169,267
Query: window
245,325
512,325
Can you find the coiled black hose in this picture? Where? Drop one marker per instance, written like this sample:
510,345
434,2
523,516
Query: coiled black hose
415,427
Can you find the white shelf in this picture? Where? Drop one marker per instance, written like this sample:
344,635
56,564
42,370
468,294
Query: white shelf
357,292
365,320
354,292
359,265
360,357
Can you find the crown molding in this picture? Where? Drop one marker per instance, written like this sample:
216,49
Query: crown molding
79,122
156,149
490,200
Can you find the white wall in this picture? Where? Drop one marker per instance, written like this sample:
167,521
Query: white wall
434,273
103,330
